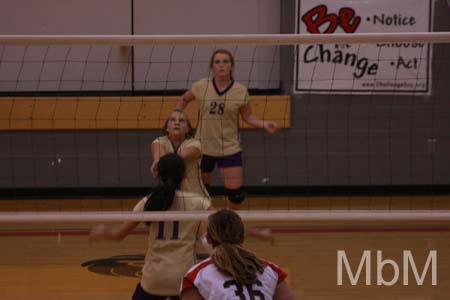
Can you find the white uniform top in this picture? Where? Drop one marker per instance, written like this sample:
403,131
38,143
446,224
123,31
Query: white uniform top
193,180
218,123
170,251
214,285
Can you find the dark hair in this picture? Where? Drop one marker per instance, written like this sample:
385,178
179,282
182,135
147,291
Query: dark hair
190,132
171,170
225,231
221,51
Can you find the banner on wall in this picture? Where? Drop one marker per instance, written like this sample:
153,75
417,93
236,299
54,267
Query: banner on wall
380,68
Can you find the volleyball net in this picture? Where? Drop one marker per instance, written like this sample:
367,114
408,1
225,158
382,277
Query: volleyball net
50,254
95,63
355,110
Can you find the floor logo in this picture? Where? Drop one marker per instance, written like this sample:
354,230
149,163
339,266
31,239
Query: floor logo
122,265
119,265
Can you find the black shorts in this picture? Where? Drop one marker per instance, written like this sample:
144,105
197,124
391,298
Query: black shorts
140,294
209,162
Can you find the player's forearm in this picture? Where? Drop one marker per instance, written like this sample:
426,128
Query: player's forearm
190,153
254,121
157,151
107,233
115,234
181,103
184,100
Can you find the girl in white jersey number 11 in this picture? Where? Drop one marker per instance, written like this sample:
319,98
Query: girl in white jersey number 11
171,245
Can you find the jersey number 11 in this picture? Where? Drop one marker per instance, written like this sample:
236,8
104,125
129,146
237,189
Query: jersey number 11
175,229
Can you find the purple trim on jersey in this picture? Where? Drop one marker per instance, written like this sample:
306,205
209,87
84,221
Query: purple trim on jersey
140,294
225,90
209,162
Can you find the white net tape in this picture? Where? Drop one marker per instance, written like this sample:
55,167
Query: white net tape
275,215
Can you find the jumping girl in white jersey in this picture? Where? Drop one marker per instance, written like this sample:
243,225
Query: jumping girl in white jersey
221,100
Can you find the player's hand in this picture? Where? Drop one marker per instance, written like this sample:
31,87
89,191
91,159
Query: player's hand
261,233
97,233
206,245
271,126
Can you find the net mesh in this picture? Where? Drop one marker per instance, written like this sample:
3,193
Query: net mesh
353,114
102,68
81,116
371,115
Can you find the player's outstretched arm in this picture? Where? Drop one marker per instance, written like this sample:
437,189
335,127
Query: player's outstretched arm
184,100
115,233
248,116
157,152
190,153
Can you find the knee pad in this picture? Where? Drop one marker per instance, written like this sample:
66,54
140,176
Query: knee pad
236,196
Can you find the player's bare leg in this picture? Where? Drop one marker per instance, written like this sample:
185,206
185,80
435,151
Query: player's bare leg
233,178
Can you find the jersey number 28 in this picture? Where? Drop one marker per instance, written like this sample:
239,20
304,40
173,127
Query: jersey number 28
217,108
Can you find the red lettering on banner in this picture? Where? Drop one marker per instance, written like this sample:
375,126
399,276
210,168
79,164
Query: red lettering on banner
346,15
317,16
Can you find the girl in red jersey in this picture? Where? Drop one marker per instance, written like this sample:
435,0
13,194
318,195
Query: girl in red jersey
232,271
